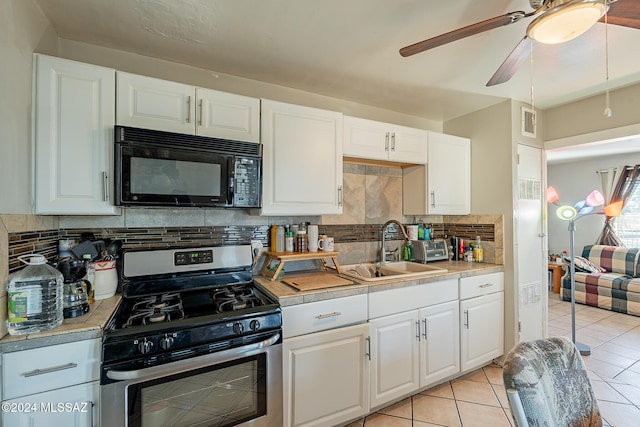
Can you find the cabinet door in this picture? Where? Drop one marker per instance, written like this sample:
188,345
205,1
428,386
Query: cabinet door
146,102
394,356
481,330
228,116
71,406
74,119
366,139
302,160
408,145
440,342
449,175
326,377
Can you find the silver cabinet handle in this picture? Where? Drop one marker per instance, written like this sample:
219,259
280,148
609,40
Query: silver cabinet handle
105,185
433,199
326,316
466,318
424,333
93,405
368,354
201,112
49,370
386,142
340,195
418,330
188,109
486,285
393,141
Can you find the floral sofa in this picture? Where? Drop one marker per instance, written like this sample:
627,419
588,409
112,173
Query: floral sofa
606,277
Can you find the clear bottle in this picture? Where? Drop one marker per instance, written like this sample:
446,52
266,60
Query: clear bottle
280,239
34,297
288,241
478,251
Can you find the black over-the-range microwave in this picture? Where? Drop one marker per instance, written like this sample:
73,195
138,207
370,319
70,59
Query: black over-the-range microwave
156,168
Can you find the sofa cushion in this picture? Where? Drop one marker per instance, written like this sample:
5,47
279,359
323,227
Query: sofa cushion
613,258
607,280
584,265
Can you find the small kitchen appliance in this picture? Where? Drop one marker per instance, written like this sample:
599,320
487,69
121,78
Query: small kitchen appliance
429,250
192,342
155,168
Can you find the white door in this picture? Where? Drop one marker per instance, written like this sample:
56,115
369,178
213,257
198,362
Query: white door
366,139
439,343
302,160
150,103
449,175
227,115
394,356
530,245
480,319
77,405
408,145
73,137
326,377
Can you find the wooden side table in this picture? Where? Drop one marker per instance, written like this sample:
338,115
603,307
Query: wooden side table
557,275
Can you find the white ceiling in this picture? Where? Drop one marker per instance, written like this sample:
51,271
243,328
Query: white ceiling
348,49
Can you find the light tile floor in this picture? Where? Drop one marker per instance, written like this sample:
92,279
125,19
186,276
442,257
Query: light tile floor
479,399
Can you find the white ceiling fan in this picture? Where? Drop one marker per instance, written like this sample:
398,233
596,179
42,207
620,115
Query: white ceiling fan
556,21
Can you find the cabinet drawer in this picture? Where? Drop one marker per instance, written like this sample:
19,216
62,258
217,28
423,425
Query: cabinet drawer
322,315
47,368
394,301
481,285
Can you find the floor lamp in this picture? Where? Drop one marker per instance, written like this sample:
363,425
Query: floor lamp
572,214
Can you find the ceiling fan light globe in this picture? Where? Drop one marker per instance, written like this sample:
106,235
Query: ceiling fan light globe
566,21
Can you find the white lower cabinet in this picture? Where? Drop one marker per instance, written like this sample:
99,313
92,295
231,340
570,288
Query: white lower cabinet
414,339
412,350
55,385
325,362
481,320
71,406
326,379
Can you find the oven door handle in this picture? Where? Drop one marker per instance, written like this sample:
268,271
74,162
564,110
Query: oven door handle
193,363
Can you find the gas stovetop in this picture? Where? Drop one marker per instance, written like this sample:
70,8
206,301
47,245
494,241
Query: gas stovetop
179,303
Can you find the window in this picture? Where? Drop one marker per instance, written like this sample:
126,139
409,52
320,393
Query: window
627,225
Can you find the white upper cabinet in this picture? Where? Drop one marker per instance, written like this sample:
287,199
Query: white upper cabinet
302,160
369,139
443,187
151,103
74,119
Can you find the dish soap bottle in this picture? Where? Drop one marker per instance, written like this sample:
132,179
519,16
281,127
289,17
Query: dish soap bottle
478,252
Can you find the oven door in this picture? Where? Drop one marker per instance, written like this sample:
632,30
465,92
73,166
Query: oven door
235,387
148,175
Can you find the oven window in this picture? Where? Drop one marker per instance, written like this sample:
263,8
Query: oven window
222,395
174,177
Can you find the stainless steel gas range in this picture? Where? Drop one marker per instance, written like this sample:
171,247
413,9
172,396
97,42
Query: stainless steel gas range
192,343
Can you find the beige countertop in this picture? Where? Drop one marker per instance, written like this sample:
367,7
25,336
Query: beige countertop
79,328
287,295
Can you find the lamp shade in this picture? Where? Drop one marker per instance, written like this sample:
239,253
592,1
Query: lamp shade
565,20
613,209
594,198
552,195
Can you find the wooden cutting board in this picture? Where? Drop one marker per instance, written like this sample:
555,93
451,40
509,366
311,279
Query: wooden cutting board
316,281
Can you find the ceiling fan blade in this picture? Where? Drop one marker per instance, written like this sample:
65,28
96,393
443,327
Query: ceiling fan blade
461,33
513,62
625,13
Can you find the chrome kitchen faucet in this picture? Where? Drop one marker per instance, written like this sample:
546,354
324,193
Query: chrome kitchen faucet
383,251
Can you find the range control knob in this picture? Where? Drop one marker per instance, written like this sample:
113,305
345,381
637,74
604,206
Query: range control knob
145,346
254,325
238,328
166,342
